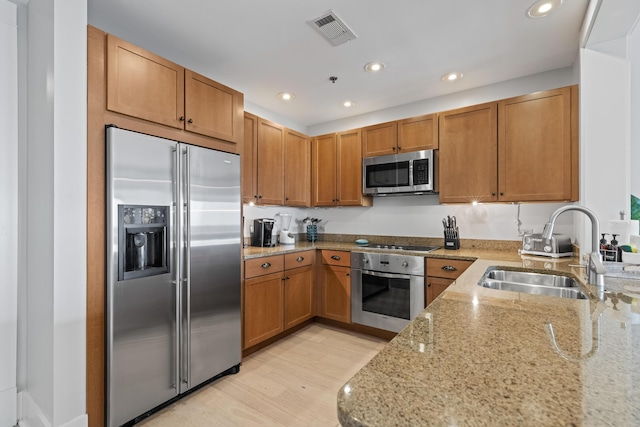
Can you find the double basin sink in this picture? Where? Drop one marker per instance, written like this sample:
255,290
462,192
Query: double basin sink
532,283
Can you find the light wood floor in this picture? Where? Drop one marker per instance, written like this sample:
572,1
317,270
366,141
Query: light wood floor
293,382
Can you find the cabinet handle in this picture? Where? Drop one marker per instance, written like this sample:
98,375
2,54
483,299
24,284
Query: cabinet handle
493,193
286,198
502,193
336,257
300,259
347,274
399,148
259,197
182,118
393,148
428,285
266,265
285,278
190,121
449,268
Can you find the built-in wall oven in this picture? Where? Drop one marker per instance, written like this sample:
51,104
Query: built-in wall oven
387,290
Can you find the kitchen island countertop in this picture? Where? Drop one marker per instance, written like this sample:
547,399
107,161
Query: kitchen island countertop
480,356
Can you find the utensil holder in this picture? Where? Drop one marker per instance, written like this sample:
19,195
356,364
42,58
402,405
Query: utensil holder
312,233
451,238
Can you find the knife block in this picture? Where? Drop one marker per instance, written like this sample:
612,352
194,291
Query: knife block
451,238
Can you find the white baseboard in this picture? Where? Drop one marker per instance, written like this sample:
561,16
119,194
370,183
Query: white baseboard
8,407
29,413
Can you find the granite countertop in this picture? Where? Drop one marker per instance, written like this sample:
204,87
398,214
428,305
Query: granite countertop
493,251
480,356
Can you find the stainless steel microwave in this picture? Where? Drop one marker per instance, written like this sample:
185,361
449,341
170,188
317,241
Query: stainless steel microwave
406,173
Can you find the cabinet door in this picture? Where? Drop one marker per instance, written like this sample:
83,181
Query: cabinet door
297,169
349,169
336,293
298,296
144,85
213,109
249,159
418,133
263,308
324,162
469,154
435,286
534,147
379,140
270,163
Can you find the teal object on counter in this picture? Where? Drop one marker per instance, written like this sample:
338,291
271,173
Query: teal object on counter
362,242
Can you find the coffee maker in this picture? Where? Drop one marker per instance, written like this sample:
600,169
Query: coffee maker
262,232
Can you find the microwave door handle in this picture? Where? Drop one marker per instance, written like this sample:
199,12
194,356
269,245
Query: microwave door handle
386,275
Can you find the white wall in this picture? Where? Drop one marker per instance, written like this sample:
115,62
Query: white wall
604,129
53,344
421,216
634,57
8,211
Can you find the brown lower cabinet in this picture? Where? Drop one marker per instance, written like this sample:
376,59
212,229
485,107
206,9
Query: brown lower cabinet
278,294
335,286
440,274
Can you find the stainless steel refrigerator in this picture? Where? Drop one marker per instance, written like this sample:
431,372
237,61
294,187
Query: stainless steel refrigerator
173,270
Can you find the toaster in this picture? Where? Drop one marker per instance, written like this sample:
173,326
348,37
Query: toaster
558,246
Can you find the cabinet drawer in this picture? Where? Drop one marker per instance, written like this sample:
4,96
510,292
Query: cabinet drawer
341,258
298,259
261,266
447,268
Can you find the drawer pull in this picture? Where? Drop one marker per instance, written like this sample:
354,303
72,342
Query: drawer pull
300,259
336,257
285,278
449,268
266,265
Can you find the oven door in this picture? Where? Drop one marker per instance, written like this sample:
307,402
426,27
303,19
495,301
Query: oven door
385,300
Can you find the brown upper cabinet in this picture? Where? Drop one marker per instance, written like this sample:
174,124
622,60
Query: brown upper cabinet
249,158
469,154
337,170
515,150
297,169
538,146
276,164
270,165
144,85
402,136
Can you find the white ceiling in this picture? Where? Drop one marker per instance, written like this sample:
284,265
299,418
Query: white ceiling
264,47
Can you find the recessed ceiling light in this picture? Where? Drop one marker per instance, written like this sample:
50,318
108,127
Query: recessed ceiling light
543,8
348,104
451,77
374,67
286,96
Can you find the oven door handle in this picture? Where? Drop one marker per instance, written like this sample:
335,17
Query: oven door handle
387,275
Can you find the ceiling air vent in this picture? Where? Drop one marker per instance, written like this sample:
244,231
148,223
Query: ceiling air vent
333,28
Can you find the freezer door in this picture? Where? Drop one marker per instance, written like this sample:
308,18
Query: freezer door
211,309
142,323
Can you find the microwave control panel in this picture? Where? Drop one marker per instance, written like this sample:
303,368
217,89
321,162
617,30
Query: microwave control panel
421,172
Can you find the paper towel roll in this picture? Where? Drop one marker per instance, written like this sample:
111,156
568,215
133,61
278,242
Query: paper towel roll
623,228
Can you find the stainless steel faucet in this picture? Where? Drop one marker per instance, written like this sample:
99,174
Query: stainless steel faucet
595,268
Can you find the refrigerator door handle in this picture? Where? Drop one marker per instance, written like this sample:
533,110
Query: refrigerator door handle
186,172
177,270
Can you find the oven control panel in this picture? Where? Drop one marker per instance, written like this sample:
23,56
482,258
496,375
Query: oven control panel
388,263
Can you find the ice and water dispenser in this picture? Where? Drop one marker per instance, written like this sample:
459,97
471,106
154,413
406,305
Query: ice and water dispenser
143,240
